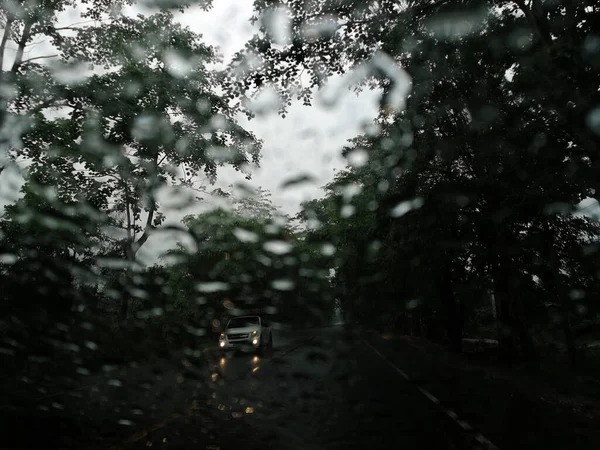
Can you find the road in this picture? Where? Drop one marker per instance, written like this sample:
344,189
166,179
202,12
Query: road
327,389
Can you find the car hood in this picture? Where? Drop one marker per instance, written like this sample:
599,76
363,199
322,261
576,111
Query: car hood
243,330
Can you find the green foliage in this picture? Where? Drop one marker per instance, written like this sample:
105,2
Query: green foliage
483,156
148,117
242,262
126,106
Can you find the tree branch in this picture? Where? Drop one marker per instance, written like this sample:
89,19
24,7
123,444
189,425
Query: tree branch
73,27
148,228
417,9
39,57
128,212
7,27
21,46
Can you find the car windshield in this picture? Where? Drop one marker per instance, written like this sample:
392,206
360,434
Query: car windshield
300,224
241,322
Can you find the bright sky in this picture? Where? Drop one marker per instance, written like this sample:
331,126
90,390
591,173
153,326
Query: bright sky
307,142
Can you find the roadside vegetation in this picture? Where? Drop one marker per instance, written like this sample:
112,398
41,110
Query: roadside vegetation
457,219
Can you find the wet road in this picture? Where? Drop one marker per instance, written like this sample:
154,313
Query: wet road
326,389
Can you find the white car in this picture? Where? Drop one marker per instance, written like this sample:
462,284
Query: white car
246,333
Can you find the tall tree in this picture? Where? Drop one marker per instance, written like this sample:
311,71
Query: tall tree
480,129
147,116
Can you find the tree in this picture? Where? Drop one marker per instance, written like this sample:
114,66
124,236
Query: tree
149,117
246,262
487,164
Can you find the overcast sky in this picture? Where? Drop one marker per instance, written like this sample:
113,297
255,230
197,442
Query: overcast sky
307,142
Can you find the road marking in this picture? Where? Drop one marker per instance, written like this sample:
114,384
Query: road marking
450,413
464,425
396,368
429,395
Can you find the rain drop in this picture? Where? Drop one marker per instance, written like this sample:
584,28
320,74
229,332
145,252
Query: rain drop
277,247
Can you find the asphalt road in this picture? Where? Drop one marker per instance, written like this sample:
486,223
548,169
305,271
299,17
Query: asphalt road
325,389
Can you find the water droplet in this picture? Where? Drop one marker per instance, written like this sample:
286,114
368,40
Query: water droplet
327,249
245,235
125,422
278,22
577,294
221,154
265,102
357,157
196,331
347,211
300,179
404,207
277,247
350,190
593,120
178,65
8,258
203,106
412,304
456,25
145,126
70,74
214,286
282,285
322,28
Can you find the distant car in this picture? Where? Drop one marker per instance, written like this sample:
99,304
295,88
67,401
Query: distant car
246,333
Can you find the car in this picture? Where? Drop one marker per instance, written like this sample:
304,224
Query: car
246,333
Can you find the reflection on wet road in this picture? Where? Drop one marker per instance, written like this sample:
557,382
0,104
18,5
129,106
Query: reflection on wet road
328,391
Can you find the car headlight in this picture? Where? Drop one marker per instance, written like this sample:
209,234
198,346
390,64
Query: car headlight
222,337
254,333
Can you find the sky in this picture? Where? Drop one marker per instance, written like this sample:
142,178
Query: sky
307,142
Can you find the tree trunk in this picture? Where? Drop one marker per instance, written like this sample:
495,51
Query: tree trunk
453,313
522,329
133,247
124,308
503,306
569,335
511,311
563,301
